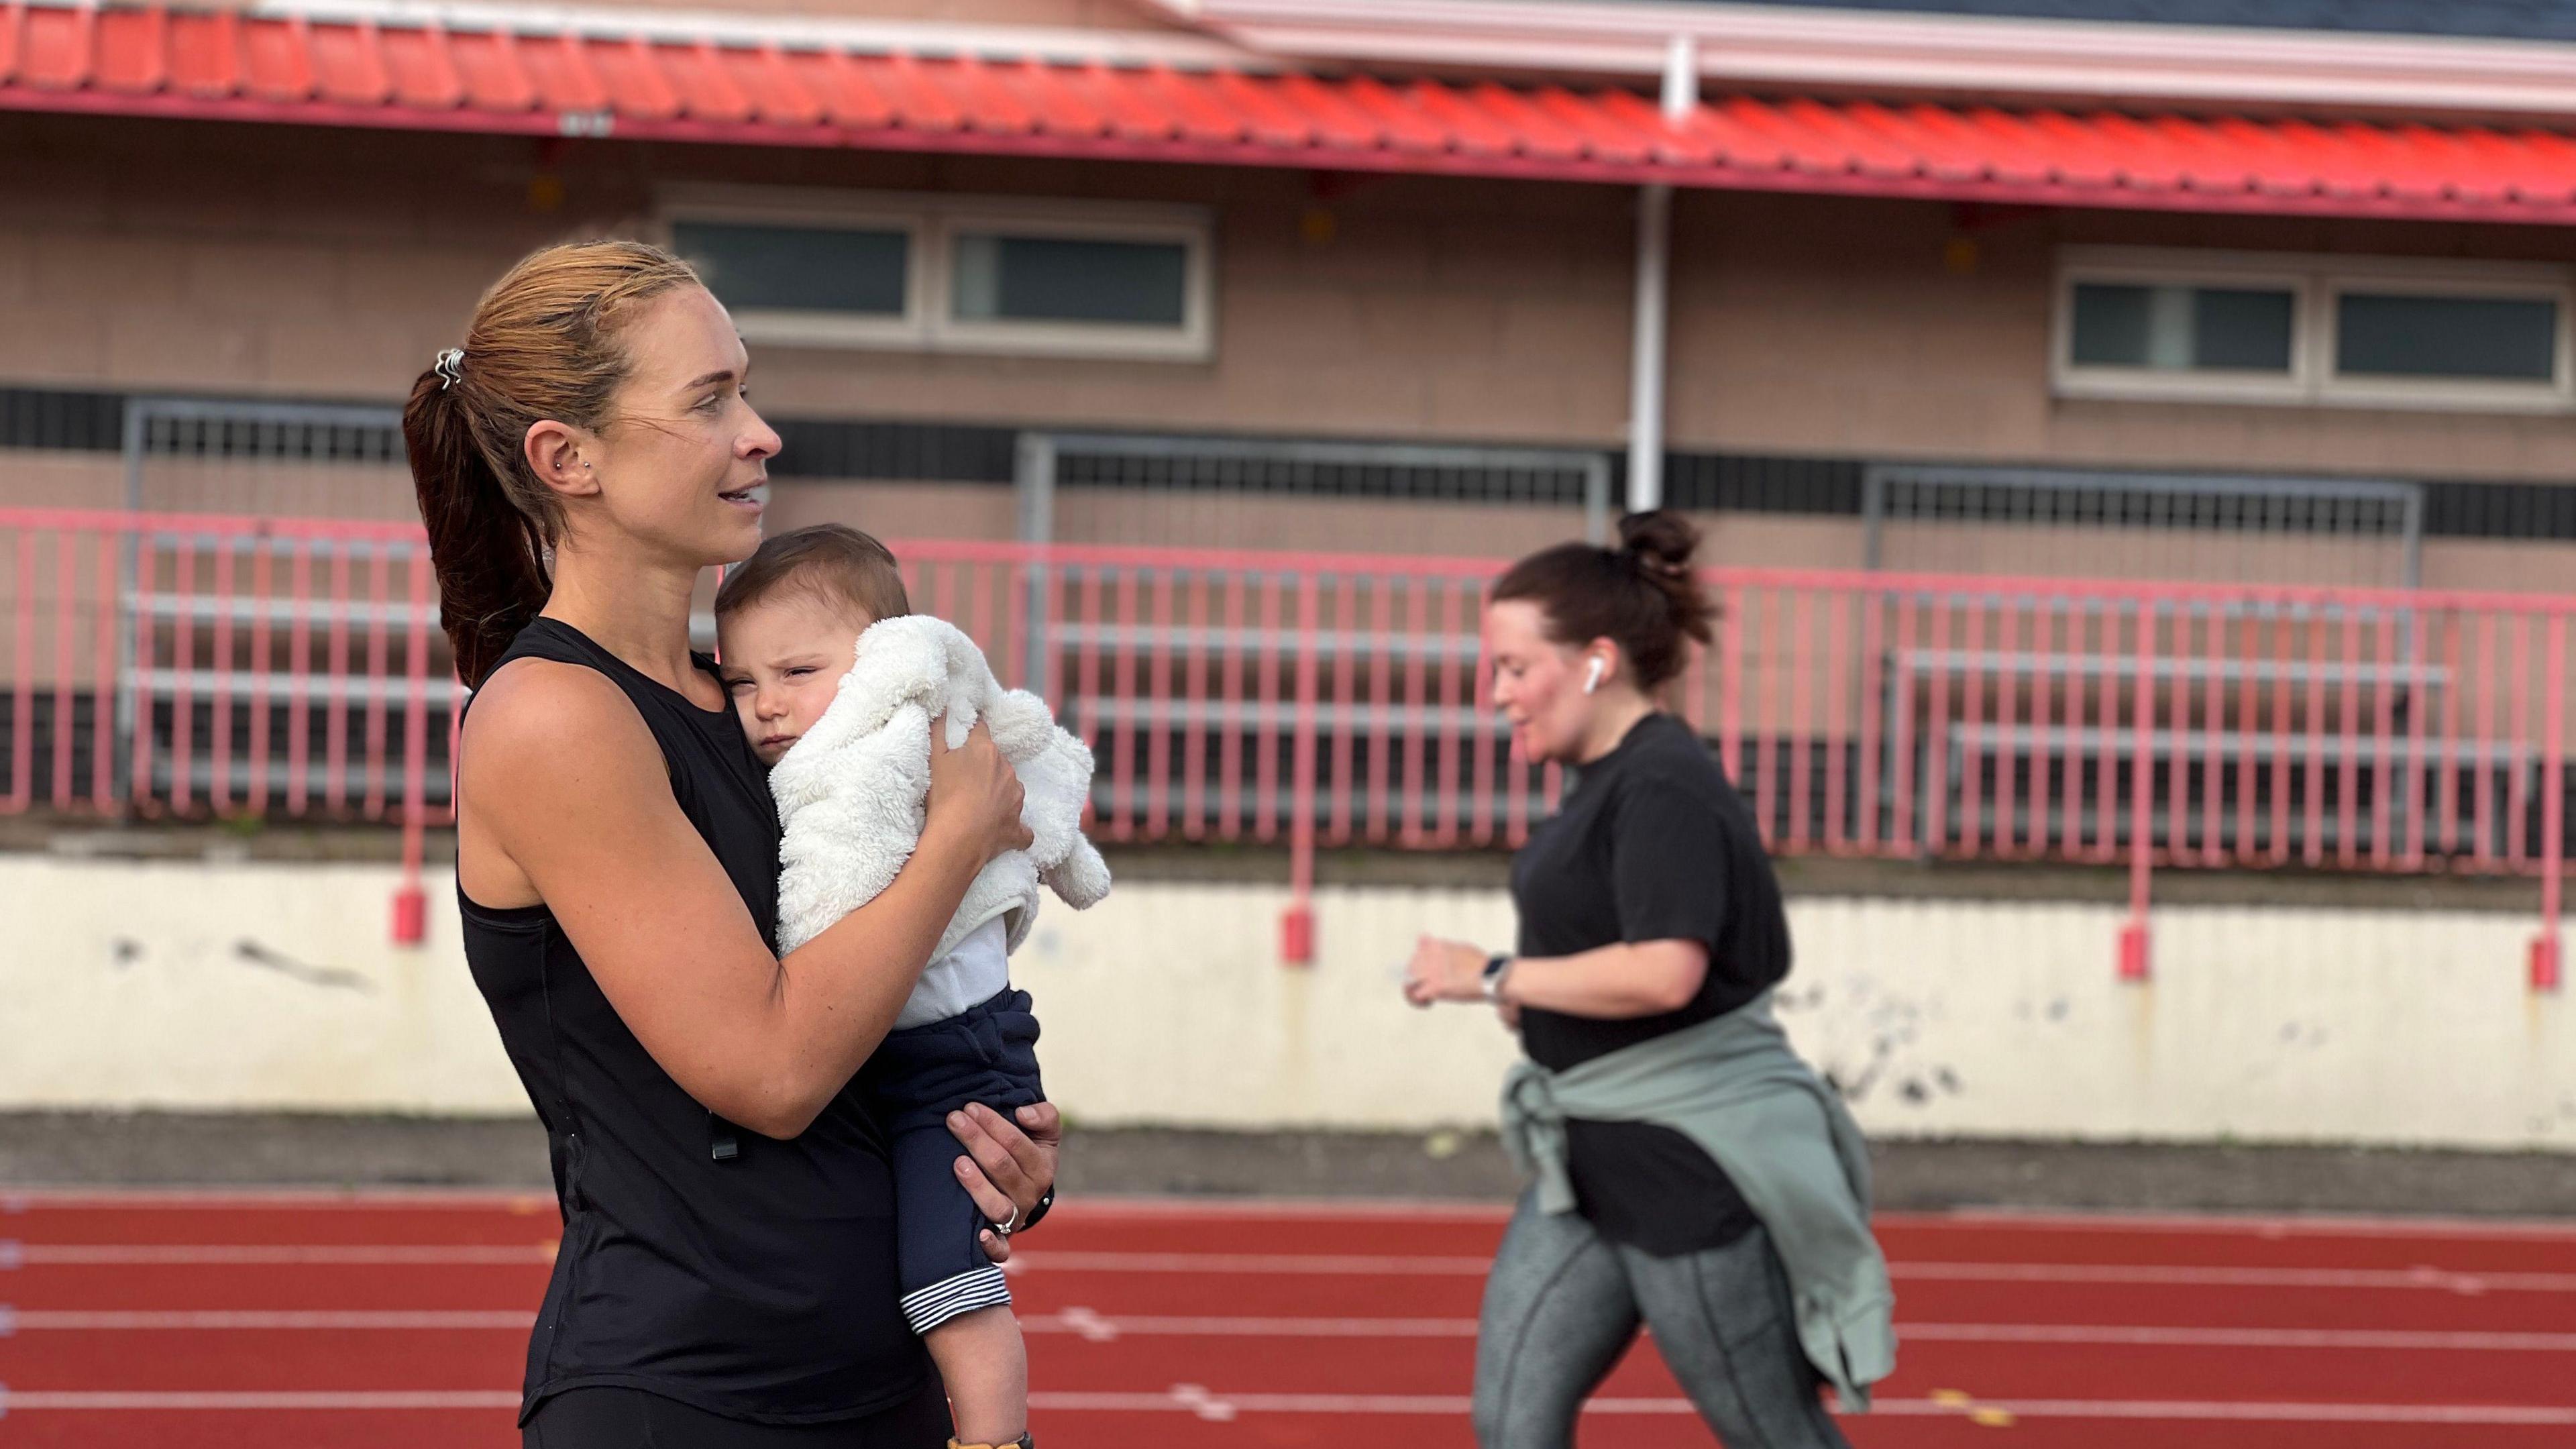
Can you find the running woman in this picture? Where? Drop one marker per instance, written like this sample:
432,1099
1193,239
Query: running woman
1691,1172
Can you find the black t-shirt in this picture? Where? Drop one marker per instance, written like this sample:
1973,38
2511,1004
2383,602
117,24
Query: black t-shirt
1650,844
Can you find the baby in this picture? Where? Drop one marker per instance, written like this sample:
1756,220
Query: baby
836,683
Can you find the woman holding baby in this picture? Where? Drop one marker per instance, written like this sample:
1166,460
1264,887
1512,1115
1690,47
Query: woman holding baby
727,1275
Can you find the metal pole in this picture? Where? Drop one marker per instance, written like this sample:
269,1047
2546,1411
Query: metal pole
1646,357
1033,481
1654,266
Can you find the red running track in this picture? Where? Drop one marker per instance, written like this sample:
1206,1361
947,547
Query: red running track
191,1321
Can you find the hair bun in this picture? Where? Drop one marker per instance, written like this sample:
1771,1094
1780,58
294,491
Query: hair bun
1661,542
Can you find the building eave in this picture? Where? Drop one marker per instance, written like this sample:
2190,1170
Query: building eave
1924,54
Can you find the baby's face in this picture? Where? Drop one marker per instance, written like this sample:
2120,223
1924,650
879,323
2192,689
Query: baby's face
783,659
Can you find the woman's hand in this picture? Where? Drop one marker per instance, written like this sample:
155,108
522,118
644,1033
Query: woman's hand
1008,1168
975,792
1444,971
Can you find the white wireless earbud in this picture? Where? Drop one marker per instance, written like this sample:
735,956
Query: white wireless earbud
1592,676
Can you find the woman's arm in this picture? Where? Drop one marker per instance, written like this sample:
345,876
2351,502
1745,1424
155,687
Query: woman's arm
1613,983
565,779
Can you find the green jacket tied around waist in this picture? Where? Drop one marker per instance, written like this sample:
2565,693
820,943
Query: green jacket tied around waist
1733,1086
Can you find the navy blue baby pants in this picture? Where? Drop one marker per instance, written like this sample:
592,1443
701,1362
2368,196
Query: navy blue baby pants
986,1054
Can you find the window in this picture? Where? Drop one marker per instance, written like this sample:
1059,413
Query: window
755,268
2498,339
2331,330
1005,278
2176,328
961,274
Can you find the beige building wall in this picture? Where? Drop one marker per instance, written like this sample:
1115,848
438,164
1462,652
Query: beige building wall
288,260
206,258
1853,328
292,261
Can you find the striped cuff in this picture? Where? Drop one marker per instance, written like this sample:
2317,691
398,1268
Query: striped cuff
930,1307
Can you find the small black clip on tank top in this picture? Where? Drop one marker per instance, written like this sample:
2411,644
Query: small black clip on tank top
750,1277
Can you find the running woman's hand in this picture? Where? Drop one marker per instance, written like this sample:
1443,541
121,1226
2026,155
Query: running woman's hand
975,792
1444,971
1010,1165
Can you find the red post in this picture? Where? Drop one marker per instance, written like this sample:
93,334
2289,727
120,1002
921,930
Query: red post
1200,632
1297,932
410,906
1457,703
1730,704
411,914
1164,634
22,722
380,571
1142,714
147,565
2142,766
103,683
2553,810
66,605
219,775
183,699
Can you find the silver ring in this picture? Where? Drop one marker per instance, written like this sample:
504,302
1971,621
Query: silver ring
1004,1230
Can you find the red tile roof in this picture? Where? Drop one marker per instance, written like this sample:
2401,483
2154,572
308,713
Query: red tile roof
151,60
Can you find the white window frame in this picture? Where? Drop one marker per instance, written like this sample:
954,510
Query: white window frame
2540,284
2315,282
2071,379
817,327
934,222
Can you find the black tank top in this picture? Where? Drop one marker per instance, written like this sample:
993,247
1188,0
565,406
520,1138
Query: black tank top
750,1277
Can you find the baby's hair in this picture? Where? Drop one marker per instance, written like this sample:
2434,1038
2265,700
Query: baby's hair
831,561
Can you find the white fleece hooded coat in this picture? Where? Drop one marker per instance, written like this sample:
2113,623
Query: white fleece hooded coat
853,792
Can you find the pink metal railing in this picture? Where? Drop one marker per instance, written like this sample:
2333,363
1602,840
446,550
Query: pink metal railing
169,666
164,666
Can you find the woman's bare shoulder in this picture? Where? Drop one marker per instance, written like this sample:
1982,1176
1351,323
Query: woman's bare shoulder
542,719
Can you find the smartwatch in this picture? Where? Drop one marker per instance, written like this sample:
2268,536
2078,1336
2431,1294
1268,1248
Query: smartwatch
1496,968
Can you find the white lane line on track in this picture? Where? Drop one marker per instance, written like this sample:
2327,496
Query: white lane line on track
1110,1208
2498,1415
180,1199
2410,1340
1204,1403
1349,1264
1098,1327
2492,1415
1395,1265
14,1401
14,1255
2224,1224
2421,1278
34,1320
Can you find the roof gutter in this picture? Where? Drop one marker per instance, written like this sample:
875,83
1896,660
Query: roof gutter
1178,48
1882,52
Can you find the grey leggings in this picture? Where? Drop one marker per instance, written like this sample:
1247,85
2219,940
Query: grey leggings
1563,1303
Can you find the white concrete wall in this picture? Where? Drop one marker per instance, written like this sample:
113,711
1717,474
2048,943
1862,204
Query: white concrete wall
234,986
